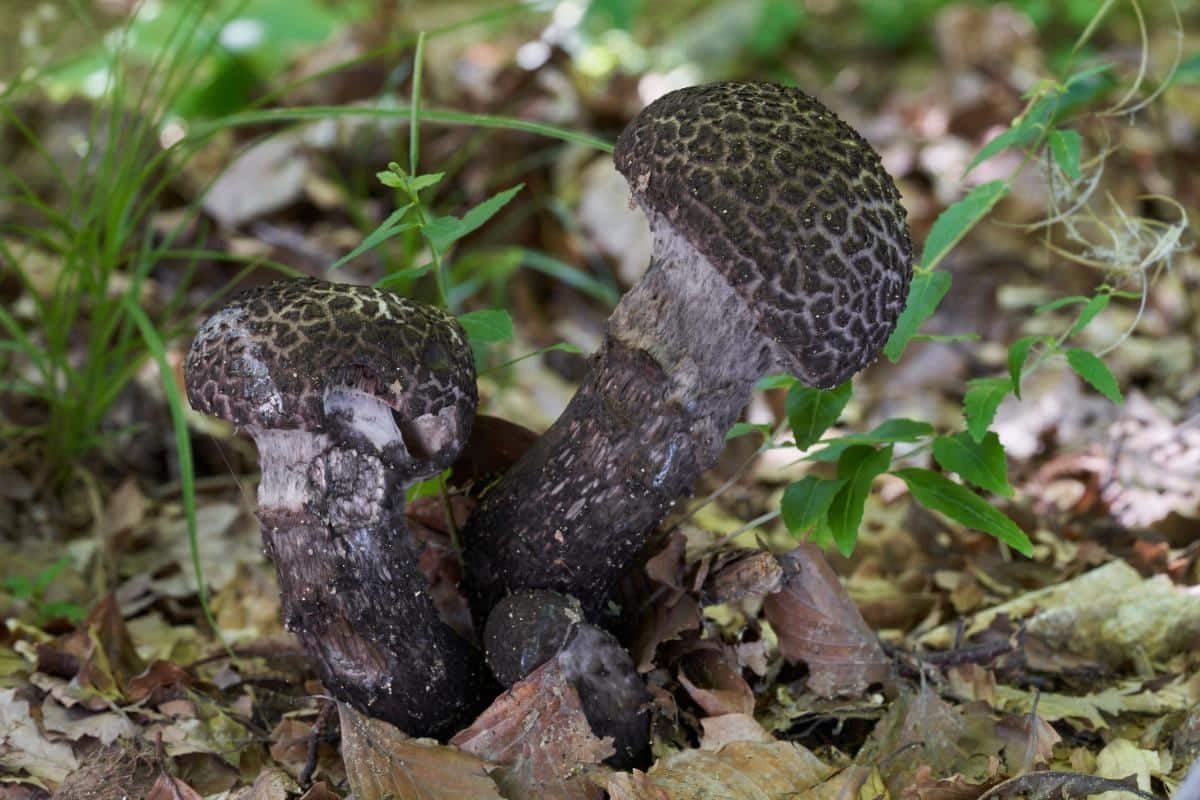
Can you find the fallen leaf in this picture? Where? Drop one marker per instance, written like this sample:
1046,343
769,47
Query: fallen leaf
743,770
24,747
719,687
818,623
721,730
170,788
382,762
538,734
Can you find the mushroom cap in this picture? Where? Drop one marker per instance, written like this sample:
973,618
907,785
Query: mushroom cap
790,204
297,353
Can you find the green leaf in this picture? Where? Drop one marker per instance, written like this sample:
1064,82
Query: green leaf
487,325
981,463
445,231
746,428
1018,354
19,586
1065,146
778,381
1093,370
1023,132
391,179
47,575
924,294
392,226
858,466
1094,307
896,429
570,275
806,502
980,404
954,223
810,412
401,275
1061,302
419,182
430,487
946,337
441,232
939,493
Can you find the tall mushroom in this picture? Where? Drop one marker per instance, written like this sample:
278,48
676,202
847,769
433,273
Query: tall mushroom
351,394
780,245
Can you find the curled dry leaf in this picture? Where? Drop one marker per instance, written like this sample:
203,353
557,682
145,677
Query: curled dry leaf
538,733
99,657
749,770
713,679
818,623
668,618
382,762
742,573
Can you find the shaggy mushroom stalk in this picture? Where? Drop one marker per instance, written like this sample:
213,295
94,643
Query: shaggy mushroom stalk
780,245
351,394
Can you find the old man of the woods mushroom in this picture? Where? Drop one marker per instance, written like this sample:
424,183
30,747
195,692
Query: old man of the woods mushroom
351,394
780,245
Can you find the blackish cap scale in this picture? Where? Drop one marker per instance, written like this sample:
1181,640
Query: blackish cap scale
790,204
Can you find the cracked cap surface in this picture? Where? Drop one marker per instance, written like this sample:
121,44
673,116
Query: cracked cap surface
790,204
283,355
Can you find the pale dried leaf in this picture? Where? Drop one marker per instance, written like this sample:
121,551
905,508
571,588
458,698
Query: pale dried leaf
742,770
75,723
23,747
383,762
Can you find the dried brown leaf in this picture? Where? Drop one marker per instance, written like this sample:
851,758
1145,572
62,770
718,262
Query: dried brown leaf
382,762
538,733
749,770
818,623
720,731
711,676
171,788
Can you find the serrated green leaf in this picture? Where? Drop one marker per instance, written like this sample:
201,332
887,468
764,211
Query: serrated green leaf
980,404
981,463
939,493
1061,302
489,208
810,412
746,428
806,502
924,294
1065,146
1093,370
1018,354
487,325
858,466
392,226
1093,307
954,223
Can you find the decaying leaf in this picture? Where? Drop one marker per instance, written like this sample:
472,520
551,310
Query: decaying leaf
24,747
538,734
817,623
745,770
382,762
721,730
711,675
168,787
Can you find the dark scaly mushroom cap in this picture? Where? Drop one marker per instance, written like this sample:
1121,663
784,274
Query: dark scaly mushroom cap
293,353
790,204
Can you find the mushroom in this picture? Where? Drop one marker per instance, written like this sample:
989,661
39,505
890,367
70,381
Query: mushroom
351,394
780,245
528,628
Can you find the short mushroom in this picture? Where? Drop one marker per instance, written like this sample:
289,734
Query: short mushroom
351,394
529,628
780,245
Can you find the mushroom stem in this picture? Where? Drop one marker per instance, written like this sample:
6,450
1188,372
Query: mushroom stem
678,364
353,592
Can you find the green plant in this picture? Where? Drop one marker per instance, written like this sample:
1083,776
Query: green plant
1127,250
33,592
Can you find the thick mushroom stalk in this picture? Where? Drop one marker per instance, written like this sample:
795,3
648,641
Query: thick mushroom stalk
780,245
351,394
